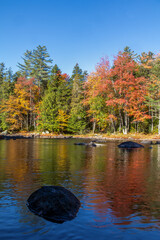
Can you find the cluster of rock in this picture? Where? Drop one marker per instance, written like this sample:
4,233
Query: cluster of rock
58,204
14,137
127,144
6,136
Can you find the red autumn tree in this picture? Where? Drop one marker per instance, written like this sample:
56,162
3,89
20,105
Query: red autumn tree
128,92
123,92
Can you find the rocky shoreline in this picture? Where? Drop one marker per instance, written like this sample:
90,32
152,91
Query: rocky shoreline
95,138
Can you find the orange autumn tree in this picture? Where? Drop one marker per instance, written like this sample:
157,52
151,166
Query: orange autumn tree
21,105
122,91
95,97
126,91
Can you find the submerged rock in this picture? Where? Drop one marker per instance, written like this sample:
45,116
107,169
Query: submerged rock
130,144
92,144
54,203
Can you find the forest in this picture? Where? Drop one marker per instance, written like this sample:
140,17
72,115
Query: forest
122,97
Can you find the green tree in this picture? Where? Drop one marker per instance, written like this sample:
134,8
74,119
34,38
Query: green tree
36,64
146,62
6,84
55,100
48,106
26,68
77,120
41,66
153,97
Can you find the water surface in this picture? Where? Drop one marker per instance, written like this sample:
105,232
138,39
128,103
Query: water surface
119,190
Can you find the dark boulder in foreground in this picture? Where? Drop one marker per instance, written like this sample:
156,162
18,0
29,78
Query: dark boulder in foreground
130,144
54,203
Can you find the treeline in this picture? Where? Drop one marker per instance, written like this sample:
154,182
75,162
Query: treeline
124,97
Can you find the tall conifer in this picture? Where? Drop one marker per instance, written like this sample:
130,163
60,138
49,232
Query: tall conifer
77,120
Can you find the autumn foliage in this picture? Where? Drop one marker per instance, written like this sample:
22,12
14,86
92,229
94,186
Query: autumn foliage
120,97
22,105
123,91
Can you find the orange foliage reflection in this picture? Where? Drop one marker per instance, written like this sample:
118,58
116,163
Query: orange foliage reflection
121,189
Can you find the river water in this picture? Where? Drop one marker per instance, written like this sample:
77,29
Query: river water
119,190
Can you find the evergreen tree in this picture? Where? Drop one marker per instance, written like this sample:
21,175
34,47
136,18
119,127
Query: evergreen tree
153,96
36,64
26,69
41,70
146,63
6,81
55,102
77,120
64,94
48,107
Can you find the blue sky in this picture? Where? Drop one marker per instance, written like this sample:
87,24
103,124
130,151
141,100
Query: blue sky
77,31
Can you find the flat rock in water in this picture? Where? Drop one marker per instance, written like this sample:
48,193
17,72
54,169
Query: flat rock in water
91,144
130,144
146,142
54,203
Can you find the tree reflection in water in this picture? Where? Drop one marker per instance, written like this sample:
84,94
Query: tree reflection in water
116,185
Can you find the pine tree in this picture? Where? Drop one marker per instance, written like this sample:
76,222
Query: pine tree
41,67
6,82
56,99
48,106
77,120
27,68
154,91
63,94
36,64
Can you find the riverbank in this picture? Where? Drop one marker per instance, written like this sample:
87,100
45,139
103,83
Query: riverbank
102,137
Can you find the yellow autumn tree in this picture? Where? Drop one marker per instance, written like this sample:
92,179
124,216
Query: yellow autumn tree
21,105
61,120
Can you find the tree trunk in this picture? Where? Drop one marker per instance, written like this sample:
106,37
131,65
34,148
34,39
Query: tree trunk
27,121
34,121
151,121
94,126
159,121
113,125
121,121
125,130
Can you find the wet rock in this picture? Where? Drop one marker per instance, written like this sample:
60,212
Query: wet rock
100,141
83,144
146,142
130,144
54,203
92,144
4,132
